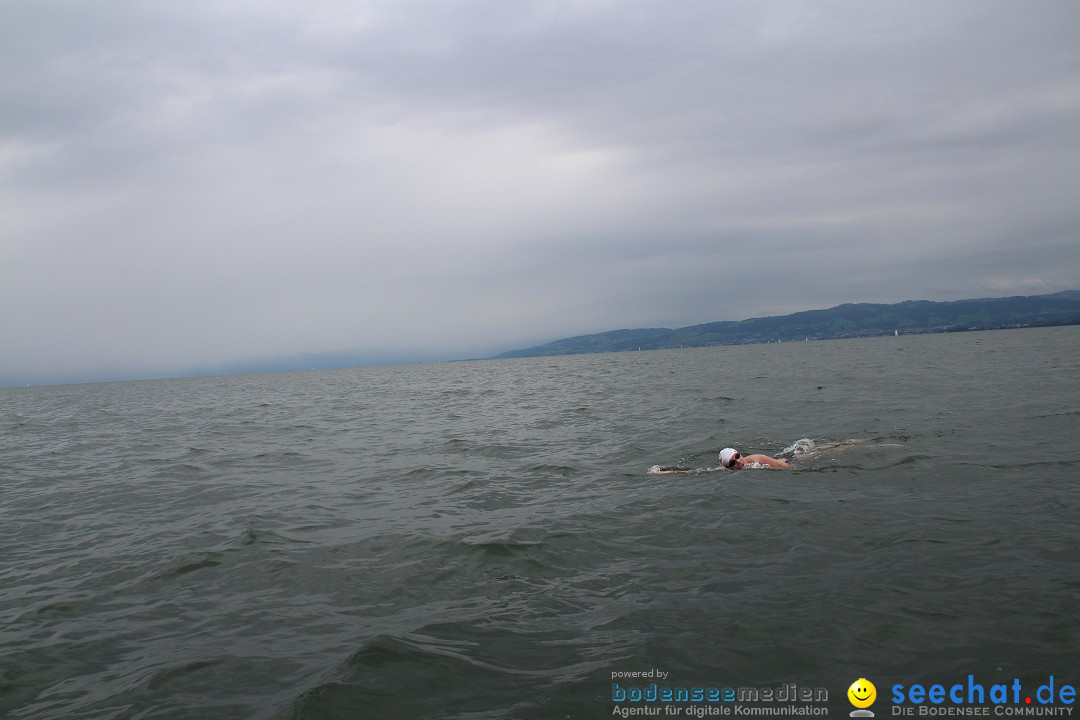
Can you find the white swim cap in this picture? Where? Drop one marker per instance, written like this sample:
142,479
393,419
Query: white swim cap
726,455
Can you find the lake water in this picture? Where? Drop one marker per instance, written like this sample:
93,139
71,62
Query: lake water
482,539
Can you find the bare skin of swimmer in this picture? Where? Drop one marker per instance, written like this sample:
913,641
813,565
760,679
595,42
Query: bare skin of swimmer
769,462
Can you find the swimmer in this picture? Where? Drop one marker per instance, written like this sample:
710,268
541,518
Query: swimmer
733,460
730,459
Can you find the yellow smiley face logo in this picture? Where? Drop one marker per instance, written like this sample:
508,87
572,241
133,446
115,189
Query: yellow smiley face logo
862,693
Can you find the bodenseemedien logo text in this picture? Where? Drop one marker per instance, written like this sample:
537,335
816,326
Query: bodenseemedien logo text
654,692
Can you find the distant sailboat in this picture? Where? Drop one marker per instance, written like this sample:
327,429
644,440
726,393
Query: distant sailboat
896,333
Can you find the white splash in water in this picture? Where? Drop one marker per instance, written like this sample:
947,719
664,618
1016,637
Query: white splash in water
799,447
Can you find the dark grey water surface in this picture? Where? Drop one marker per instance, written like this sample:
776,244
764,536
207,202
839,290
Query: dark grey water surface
482,540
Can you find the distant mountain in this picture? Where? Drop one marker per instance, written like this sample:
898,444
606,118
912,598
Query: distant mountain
843,321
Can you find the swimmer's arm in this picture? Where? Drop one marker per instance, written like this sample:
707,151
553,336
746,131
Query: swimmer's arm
767,461
657,470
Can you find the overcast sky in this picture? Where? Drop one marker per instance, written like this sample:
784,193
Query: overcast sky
208,181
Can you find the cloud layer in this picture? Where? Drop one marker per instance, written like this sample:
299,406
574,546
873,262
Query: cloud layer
204,182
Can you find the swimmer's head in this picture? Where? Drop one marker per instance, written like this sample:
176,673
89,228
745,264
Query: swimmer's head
728,457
